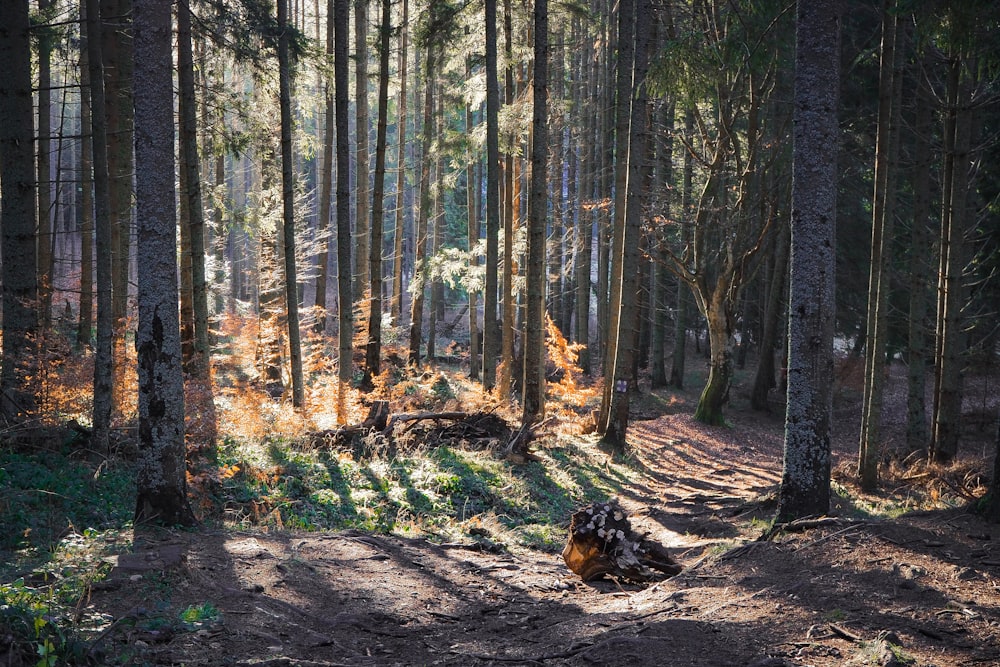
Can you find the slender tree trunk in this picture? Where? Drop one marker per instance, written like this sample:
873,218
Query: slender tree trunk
883,218
511,210
472,212
396,306
345,331
361,232
162,473
373,354
44,171
20,280
950,337
763,380
805,481
192,195
917,433
85,322
103,356
116,49
436,232
586,206
619,245
490,326
288,209
661,278
679,355
534,340
326,184
421,264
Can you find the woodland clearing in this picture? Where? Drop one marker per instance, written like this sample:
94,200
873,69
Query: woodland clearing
905,576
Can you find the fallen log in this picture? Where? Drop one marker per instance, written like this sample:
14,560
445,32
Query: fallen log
601,542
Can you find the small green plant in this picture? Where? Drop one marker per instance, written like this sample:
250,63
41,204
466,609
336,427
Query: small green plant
835,615
197,616
25,619
442,389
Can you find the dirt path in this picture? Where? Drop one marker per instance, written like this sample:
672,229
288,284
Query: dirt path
928,583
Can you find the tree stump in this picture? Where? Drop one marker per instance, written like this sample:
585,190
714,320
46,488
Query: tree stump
601,542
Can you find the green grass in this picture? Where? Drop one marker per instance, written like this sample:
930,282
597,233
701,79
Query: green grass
433,492
62,516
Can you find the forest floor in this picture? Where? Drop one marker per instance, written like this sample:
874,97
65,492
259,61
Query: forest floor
885,583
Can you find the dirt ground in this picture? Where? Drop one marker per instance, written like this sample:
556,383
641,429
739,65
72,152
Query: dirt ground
922,588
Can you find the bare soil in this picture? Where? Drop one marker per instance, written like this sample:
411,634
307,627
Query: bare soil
921,588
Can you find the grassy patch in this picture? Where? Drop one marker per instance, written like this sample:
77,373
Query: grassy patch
444,491
47,495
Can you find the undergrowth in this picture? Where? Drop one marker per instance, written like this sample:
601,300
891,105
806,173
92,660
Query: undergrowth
65,510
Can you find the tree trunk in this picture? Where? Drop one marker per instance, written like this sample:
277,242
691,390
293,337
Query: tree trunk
661,275
585,205
490,326
624,309
917,433
883,219
373,353
511,209
326,184
345,330
85,322
44,168
396,306
103,356
472,212
679,355
619,244
288,209
20,286
763,381
805,481
161,477
534,339
421,264
116,49
950,336
361,230
200,365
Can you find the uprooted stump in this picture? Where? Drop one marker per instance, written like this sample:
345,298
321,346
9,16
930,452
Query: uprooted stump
601,542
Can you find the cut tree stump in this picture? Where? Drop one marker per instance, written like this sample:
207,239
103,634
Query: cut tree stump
601,542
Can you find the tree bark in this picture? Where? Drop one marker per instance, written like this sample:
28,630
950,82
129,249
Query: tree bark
85,321
326,184
472,213
624,89
763,381
361,230
805,481
373,353
44,168
17,216
490,325
345,330
679,355
917,433
947,421
200,362
883,219
288,209
103,353
421,264
396,306
534,339
161,477
116,49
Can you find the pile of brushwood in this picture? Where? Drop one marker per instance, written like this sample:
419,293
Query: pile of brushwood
602,543
406,431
